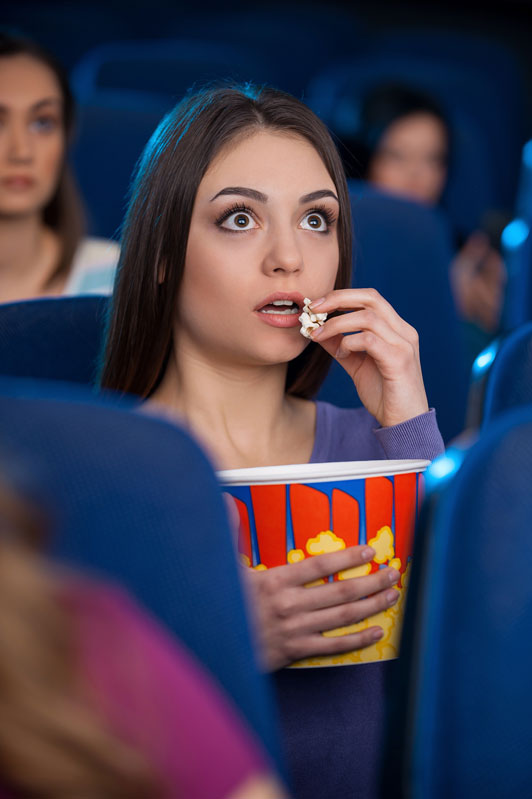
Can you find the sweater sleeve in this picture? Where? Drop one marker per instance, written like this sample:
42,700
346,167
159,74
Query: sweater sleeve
418,437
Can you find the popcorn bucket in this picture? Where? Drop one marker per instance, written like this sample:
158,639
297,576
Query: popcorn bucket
289,513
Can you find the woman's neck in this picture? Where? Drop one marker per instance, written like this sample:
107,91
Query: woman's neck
241,414
29,252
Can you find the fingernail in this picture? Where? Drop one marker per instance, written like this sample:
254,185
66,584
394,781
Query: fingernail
315,303
339,354
368,553
393,575
377,634
392,597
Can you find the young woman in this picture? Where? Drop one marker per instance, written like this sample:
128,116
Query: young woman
42,249
96,700
240,211
403,147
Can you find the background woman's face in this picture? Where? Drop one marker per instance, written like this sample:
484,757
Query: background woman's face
32,138
411,158
264,221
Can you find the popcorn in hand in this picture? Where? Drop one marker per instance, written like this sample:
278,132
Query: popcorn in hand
310,321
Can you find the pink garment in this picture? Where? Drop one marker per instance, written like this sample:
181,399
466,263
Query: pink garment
159,699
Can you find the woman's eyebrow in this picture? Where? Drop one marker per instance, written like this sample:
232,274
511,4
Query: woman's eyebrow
318,195
253,194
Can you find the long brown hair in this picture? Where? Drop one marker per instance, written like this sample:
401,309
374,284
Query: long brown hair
64,211
53,745
157,223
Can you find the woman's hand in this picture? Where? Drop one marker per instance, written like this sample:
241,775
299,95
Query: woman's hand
381,357
478,277
290,615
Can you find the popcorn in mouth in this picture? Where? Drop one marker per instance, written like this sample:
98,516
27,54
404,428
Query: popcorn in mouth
310,321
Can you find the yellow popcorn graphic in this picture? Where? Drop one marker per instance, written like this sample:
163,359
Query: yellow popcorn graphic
325,541
356,571
383,545
295,555
260,567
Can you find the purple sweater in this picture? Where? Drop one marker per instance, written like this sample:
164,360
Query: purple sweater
332,718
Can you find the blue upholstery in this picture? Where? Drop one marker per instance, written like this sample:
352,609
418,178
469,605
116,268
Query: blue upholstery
524,194
135,500
509,380
516,241
114,127
464,704
337,93
403,250
53,339
167,67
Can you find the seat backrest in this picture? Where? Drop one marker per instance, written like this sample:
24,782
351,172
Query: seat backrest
52,339
524,194
114,127
134,499
466,650
516,241
509,380
403,249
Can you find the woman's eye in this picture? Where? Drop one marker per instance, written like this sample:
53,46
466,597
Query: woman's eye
314,221
44,124
239,221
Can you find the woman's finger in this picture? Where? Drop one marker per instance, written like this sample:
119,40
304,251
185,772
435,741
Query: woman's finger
346,591
367,319
344,615
333,645
320,566
360,299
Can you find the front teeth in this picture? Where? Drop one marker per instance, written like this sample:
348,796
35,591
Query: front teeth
288,312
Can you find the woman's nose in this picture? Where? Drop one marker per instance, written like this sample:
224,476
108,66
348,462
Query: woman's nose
283,253
20,148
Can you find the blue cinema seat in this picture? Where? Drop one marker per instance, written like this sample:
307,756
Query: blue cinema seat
516,241
524,194
165,67
114,126
509,378
459,725
52,339
134,499
403,249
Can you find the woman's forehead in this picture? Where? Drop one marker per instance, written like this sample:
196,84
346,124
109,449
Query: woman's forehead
269,158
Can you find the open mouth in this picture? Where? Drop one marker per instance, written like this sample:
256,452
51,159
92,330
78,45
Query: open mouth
281,308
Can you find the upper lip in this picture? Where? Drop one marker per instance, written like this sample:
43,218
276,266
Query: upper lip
295,296
9,178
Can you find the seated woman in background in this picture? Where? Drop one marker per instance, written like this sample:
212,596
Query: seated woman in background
98,701
402,146
239,212
42,249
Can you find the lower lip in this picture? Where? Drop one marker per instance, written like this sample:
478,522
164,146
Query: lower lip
279,320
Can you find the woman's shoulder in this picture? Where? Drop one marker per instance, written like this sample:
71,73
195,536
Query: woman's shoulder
94,266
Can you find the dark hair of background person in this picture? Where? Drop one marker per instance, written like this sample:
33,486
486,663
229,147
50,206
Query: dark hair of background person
380,108
145,299
64,212
52,745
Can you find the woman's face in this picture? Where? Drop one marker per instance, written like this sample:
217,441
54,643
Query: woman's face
411,158
32,138
263,231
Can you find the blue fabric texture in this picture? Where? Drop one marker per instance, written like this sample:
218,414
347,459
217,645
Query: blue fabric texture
52,339
467,696
134,499
509,381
